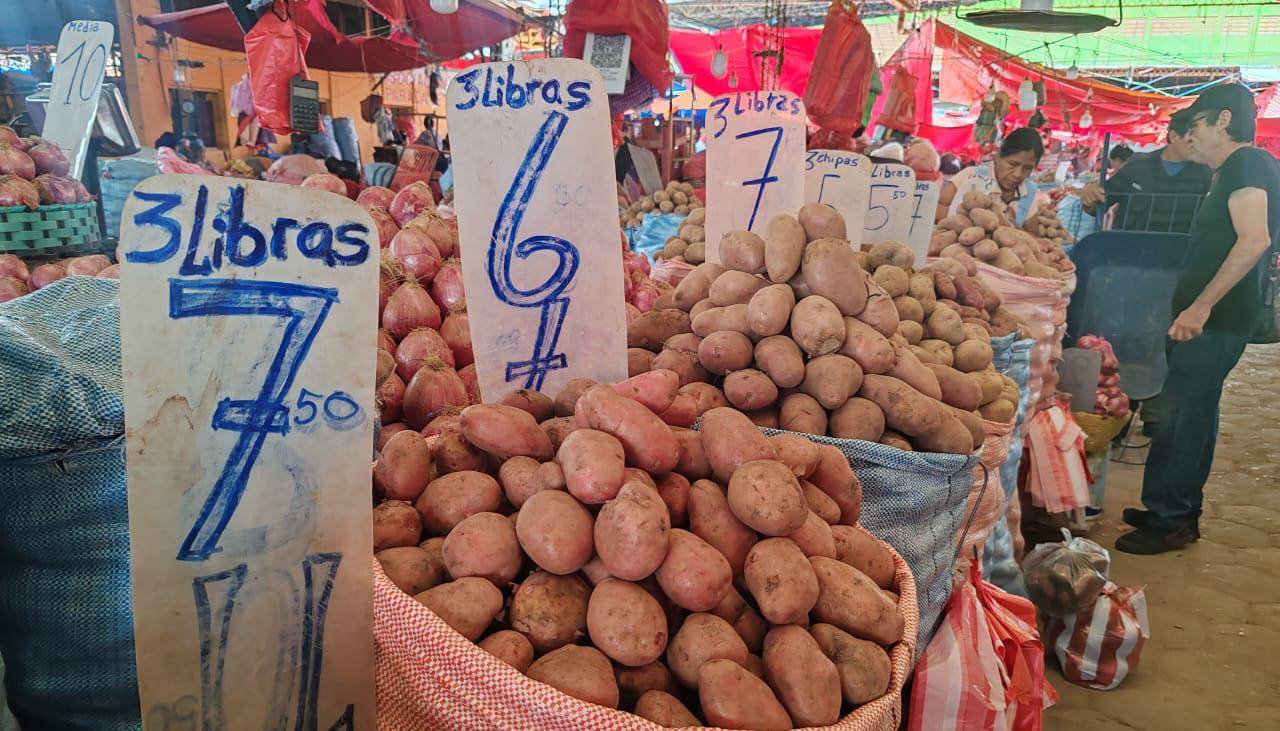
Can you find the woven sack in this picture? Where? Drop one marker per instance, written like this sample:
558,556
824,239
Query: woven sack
66,625
986,500
429,677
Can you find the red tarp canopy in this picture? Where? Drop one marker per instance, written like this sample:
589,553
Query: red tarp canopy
477,23
695,49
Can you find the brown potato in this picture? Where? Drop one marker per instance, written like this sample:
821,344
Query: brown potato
831,270
467,605
816,326
639,361
395,523
831,379
851,601
410,568
835,477
956,223
897,441
777,576
665,709
651,329
908,369
634,682
814,537
694,575
626,623
895,253
631,474
796,452
556,532
872,350
769,310
520,478
893,280
940,350
742,251
567,399
990,383
450,498
729,439
735,288
702,637
550,610
821,221
952,438
857,418
510,647
999,410
582,672
972,355
972,420
732,697
750,390
725,351
805,679
945,325
925,356
970,236
684,342
780,358
733,317
905,410
958,389
909,308
632,531
766,496
784,241
484,545
858,548
711,519
820,503
685,366
801,412
538,405
706,396
699,307
911,331
864,667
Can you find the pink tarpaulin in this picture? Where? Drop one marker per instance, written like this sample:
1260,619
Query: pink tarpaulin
477,23
694,50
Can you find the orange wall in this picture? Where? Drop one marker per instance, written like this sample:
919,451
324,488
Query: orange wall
149,77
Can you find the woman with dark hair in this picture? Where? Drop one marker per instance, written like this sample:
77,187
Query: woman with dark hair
1007,176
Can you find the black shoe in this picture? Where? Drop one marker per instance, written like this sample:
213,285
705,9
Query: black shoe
1150,541
1138,518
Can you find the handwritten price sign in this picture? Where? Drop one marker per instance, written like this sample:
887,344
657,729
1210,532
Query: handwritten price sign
538,223
842,180
924,206
755,154
248,316
889,204
84,48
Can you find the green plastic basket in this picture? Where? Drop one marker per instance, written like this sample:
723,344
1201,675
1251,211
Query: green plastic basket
49,229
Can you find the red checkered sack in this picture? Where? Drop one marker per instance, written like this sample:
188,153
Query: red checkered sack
429,677
1100,646
986,505
984,668
1057,468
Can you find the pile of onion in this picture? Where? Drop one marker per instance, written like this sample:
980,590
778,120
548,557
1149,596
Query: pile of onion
9,137
455,331
375,195
412,200
435,386
435,226
55,189
386,225
325,181
49,158
419,347
11,288
417,256
12,266
46,274
16,191
446,287
13,161
409,308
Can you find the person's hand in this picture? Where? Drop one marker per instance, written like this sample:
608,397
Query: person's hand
1092,194
1189,323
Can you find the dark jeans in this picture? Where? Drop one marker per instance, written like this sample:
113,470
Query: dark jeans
1182,445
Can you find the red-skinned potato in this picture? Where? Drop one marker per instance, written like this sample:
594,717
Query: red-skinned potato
651,329
742,251
646,441
693,462
409,568
778,576
869,348
634,682
567,400
906,410
582,672
780,358
732,697
908,369
831,379
857,418
694,575
510,647
769,310
702,637
805,679
558,428
729,439
684,365
483,545
851,601
864,667
814,537
835,478
556,532
801,412
404,467
505,431
725,351
734,288
538,405
696,285
750,390
467,605
655,389
711,519
450,498
858,548
626,623
550,610
705,395
830,267
816,326
594,465
784,242
632,532
765,495
820,503
796,452
665,709
520,479
674,489
682,412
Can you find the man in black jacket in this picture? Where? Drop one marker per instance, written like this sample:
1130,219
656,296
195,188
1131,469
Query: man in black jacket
1157,191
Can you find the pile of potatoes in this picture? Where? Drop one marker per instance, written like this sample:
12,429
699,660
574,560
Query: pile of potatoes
981,230
676,197
798,333
1051,228
689,243
716,576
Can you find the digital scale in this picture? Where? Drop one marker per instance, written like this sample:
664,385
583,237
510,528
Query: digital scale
304,105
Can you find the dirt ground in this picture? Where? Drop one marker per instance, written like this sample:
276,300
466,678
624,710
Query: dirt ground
1213,660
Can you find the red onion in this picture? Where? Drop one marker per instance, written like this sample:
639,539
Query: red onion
16,162
418,347
111,272
82,266
408,309
390,277
16,191
11,288
12,266
645,296
325,181
435,226
456,333
375,195
385,224
434,387
1109,380
388,431
9,137
386,342
49,158
633,262
413,250
82,193
390,399
1088,342
449,417
472,383
446,287
54,189
412,199
46,274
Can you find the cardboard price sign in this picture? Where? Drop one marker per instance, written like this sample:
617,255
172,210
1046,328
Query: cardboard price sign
84,49
924,208
889,204
538,224
755,162
842,180
247,333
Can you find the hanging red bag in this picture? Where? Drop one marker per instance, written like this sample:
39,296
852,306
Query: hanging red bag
274,49
840,77
644,20
900,106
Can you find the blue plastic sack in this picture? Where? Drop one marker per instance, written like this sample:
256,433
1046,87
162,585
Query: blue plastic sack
66,622
915,502
998,564
652,234
117,180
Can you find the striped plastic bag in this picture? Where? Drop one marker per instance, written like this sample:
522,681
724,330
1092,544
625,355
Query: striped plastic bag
1100,646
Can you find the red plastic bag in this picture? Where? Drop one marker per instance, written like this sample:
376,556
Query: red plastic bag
274,49
984,668
644,20
840,79
900,106
1100,646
